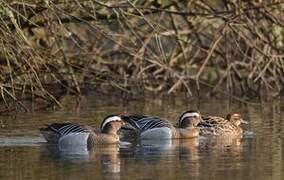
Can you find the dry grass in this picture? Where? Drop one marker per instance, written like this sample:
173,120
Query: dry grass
51,47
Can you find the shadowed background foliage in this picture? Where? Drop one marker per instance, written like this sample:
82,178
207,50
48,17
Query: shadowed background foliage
52,47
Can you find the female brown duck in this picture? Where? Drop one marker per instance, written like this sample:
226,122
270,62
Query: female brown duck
214,125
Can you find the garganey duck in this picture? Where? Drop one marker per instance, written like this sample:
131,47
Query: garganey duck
214,125
148,127
75,134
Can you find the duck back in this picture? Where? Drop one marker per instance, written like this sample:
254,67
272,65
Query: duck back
144,123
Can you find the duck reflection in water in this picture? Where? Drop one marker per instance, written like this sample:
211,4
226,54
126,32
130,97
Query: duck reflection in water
156,150
230,145
104,156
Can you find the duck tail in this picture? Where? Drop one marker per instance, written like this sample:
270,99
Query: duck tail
48,135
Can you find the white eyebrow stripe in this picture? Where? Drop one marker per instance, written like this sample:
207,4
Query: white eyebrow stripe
191,114
110,119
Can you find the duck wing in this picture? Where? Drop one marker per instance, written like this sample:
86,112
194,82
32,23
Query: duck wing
64,129
56,132
143,123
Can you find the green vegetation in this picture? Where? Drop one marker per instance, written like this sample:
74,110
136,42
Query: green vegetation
49,47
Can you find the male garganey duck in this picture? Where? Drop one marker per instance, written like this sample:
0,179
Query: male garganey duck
213,125
75,134
148,127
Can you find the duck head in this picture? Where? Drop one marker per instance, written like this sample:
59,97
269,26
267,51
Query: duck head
236,119
189,119
111,124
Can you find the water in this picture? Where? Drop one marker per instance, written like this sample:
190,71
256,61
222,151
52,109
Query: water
259,155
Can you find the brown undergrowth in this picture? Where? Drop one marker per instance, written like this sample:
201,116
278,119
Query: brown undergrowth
50,48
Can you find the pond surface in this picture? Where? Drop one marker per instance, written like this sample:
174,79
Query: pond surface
258,155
